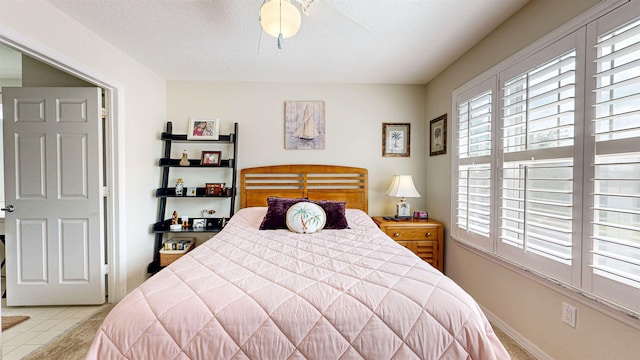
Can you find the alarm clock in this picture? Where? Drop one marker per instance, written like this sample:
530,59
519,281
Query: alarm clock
420,215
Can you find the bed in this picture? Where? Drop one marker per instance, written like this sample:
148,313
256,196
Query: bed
336,293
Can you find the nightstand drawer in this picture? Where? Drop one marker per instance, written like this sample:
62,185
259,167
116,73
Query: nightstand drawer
400,233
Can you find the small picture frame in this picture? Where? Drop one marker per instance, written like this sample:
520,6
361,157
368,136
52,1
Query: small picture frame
210,158
191,191
396,139
203,128
215,189
438,135
199,223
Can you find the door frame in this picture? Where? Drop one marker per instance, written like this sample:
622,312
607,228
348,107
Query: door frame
114,158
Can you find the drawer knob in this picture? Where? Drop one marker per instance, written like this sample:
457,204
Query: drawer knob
428,234
396,235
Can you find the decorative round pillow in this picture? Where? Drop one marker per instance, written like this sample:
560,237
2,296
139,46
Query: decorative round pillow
305,218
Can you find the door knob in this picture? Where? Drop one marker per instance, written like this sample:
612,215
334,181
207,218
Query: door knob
9,208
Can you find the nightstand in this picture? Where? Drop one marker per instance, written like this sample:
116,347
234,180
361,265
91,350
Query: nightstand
424,237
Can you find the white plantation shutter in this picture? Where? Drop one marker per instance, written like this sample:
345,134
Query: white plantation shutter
472,197
614,257
536,207
539,106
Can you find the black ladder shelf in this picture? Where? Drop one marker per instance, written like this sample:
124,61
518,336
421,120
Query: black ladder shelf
161,227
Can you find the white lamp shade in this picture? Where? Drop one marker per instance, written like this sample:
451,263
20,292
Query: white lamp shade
402,186
272,22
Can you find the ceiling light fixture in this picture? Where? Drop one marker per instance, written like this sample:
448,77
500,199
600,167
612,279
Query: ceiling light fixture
280,19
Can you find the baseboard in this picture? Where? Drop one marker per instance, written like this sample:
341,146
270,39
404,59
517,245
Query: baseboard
516,336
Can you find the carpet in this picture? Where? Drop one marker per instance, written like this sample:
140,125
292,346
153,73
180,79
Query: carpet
10,321
75,343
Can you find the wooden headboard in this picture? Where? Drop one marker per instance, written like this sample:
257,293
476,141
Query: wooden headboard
315,182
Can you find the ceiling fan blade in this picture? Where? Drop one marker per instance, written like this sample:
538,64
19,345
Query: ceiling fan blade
330,15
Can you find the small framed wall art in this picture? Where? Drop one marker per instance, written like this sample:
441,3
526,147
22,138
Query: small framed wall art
396,139
203,128
438,135
210,158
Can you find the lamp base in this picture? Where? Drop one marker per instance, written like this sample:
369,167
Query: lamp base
403,210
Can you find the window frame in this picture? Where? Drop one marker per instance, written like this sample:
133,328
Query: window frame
579,283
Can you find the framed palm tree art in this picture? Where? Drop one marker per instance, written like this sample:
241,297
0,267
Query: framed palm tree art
396,139
438,135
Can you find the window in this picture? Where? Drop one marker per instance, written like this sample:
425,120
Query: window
548,171
473,153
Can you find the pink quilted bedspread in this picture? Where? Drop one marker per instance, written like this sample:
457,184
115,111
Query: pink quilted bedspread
274,294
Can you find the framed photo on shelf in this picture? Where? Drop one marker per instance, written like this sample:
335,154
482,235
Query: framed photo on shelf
215,189
203,128
210,158
438,135
192,190
396,139
199,223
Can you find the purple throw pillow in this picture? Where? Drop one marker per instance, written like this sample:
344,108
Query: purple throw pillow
276,217
335,210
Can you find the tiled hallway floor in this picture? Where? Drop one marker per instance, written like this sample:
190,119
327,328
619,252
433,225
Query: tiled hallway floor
45,323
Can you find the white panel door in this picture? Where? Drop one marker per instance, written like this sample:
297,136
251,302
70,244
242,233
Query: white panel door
53,179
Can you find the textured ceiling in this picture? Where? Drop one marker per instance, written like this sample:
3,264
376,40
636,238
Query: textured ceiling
341,41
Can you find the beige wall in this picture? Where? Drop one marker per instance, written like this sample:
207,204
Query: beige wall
38,74
354,117
529,308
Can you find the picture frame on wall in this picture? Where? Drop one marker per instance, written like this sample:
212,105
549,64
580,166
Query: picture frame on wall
438,135
210,158
396,139
203,128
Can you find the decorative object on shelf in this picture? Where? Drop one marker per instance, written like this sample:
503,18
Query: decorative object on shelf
179,186
402,187
192,190
423,215
175,224
211,158
280,19
203,128
174,248
304,125
185,221
198,223
438,135
216,189
208,213
396,139
185,159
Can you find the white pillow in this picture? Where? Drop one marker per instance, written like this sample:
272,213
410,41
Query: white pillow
306,218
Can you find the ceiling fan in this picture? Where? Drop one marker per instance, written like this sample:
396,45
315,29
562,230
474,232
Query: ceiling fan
281,19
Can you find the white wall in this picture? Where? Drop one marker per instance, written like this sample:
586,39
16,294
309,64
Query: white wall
529,308
39,24
354,117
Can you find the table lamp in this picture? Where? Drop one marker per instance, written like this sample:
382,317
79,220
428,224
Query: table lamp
402,187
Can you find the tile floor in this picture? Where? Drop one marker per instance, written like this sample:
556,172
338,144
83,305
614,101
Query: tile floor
45,323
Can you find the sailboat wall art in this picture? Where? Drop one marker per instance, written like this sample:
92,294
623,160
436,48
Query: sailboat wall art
304,125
